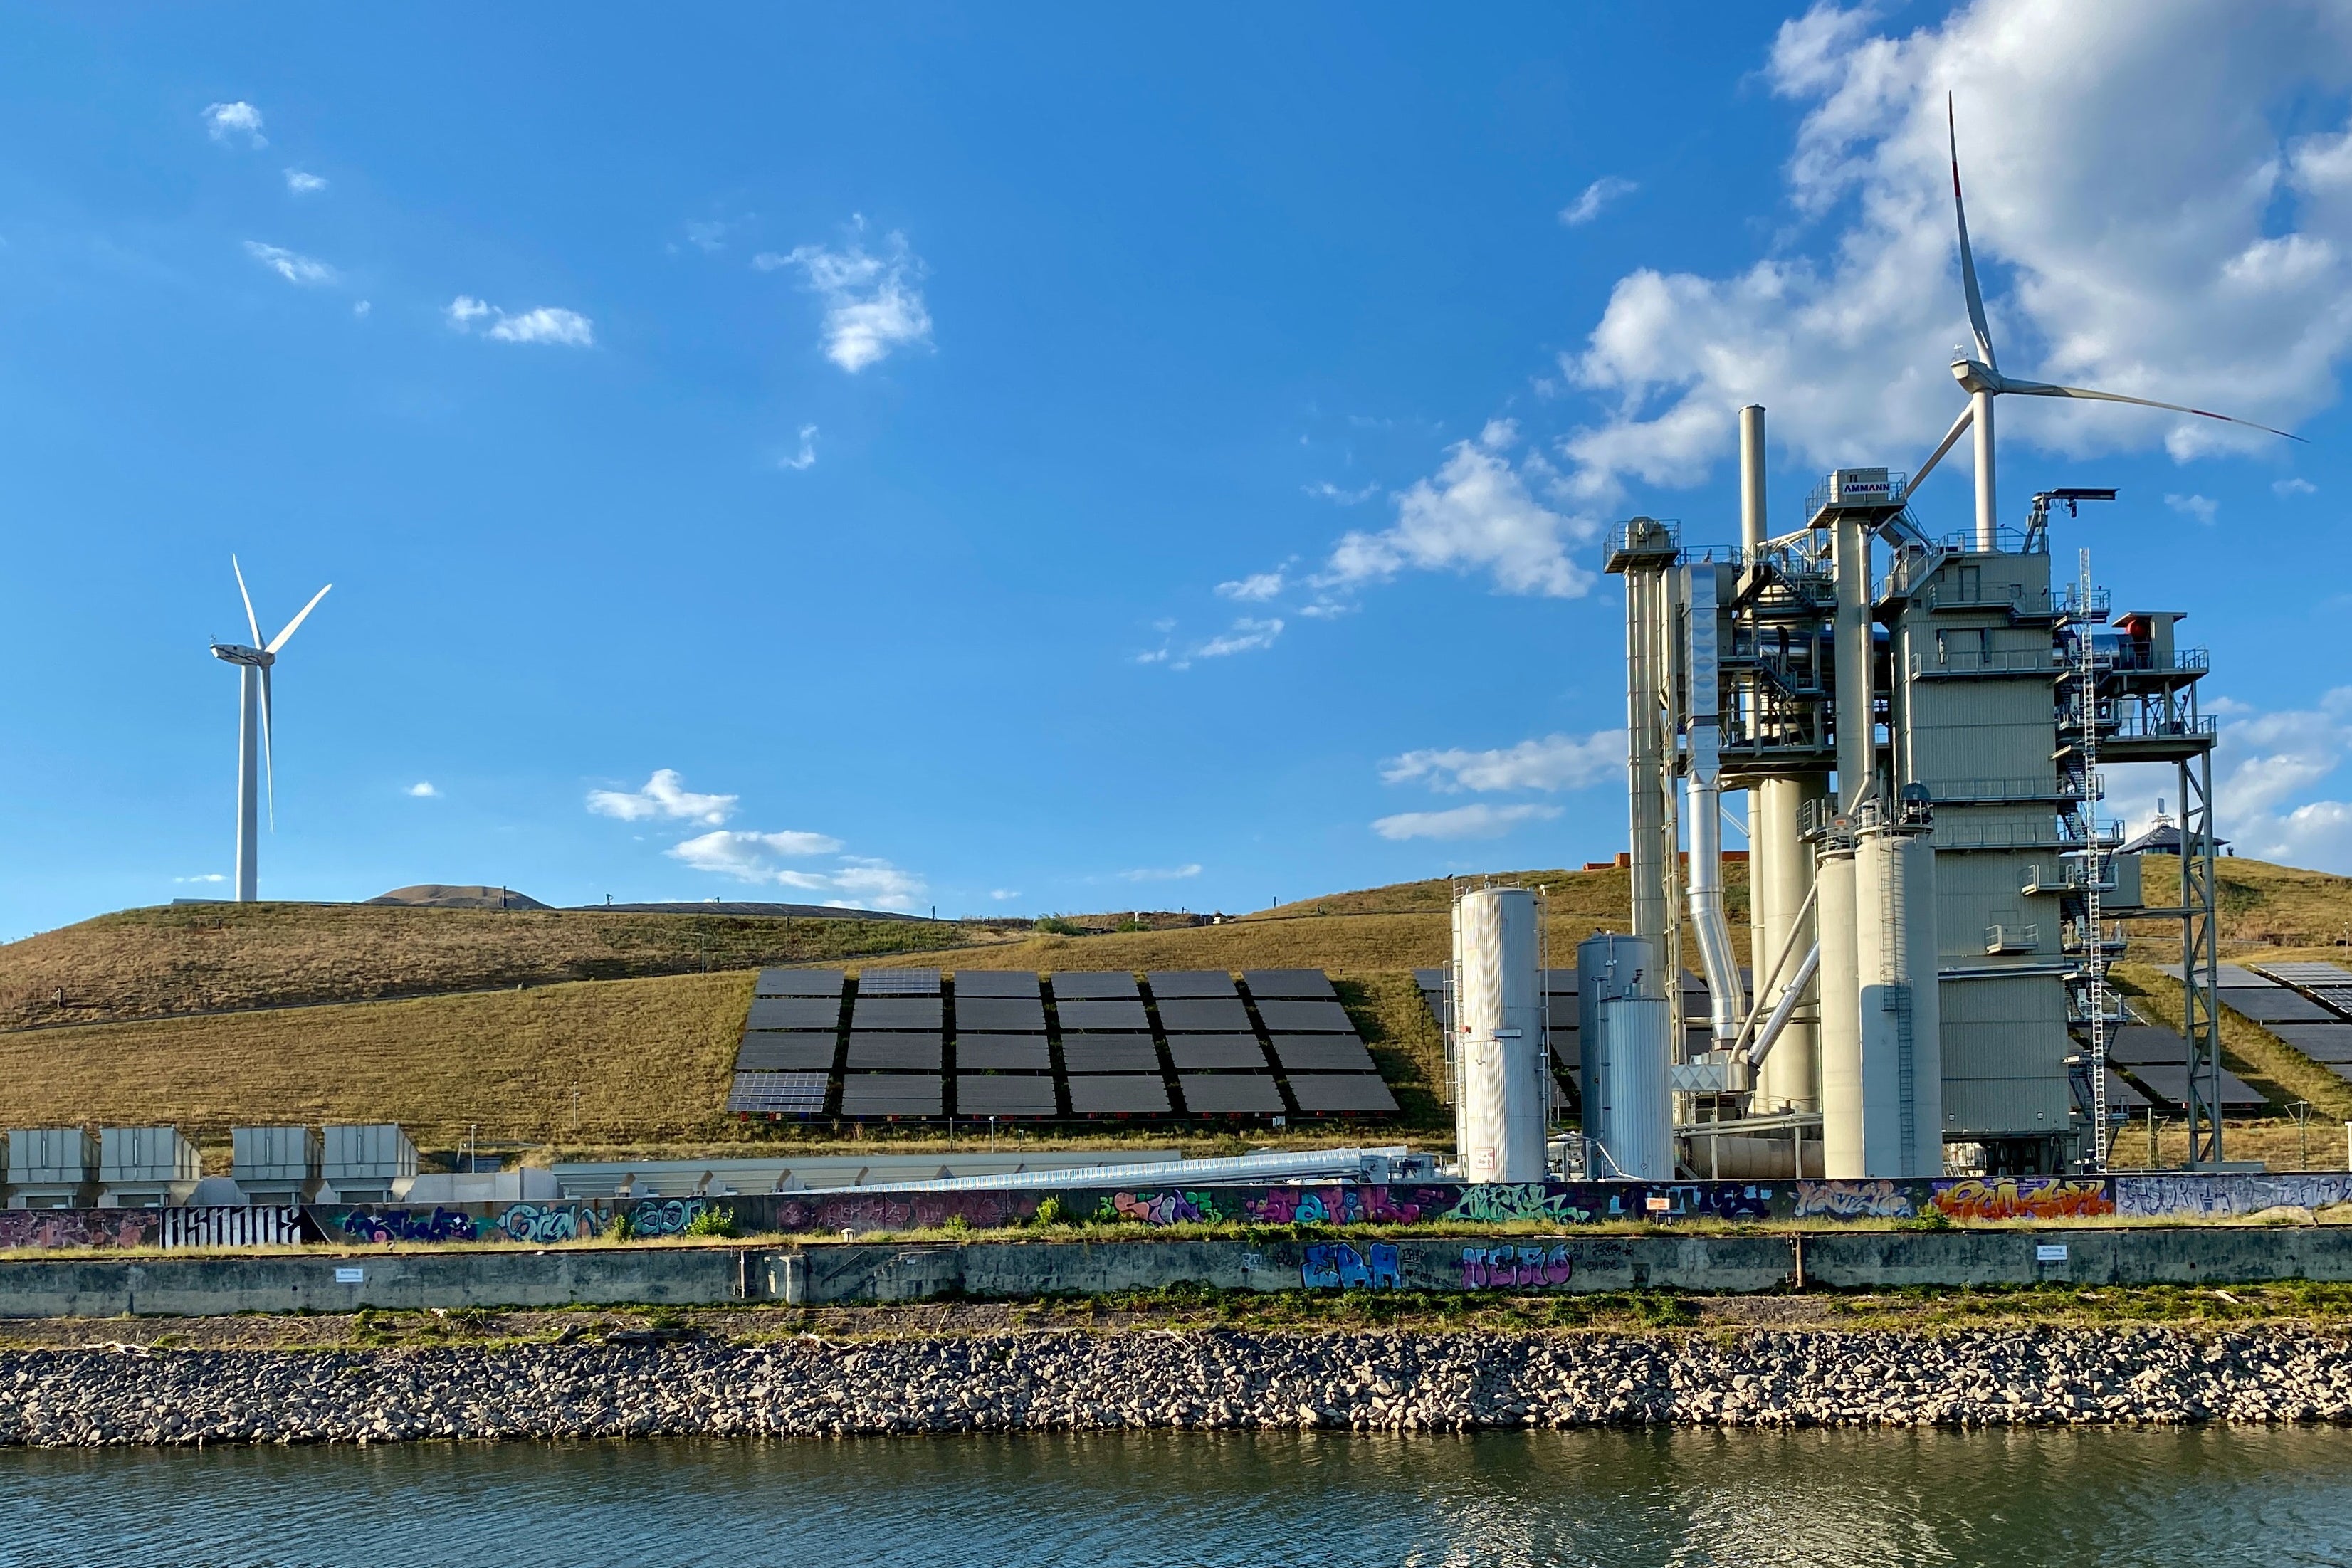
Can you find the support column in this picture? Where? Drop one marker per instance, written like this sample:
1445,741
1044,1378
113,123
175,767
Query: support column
1856,740
1988,511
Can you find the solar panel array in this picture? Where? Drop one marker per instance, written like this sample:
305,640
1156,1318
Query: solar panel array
912,1044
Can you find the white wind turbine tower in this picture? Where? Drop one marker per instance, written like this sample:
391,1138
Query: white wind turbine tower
254,758
1982,380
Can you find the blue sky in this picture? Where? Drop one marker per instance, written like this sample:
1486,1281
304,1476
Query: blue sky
1061,459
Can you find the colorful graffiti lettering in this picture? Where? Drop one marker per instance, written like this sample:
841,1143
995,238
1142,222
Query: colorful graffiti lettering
665,1216
1335,1263
541,1223
1160,1208
383,1225
1501,1202
2023,1198
1854,1200
1493,1267
77,1227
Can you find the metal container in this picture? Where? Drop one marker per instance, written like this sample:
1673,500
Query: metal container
145,1156
1498,1022
276,1156
50,1154
1897,1004
1626,1053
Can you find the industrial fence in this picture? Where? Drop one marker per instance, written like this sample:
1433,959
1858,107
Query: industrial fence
855,1211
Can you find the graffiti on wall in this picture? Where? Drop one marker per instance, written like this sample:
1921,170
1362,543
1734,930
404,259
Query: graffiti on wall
1171,1207
1338,1264
1494,1203
77,1227
1503,1268
2023,1198
2164,1197
1855,1200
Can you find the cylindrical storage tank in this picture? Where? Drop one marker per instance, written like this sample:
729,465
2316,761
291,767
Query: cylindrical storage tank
1902,1057
1839,987
1628,1098
1498,1022
1452,1021
1781,875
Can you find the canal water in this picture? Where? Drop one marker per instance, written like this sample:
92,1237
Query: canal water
2209,1497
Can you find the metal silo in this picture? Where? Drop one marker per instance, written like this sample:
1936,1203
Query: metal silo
1628,1099
1901,1064
1498,1021
1842,1154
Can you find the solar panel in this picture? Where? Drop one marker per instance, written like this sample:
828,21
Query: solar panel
2336,999
2123,1096
1231,1094
1560,982
1566,1049
1342,1095
793,1013
1287,983
893,1052
899,983
2168,1084
896,1012
1322,1053
1305,1018
778,1093
890,1095
2319,1041
1167,983
2276,1005
998,1015
1205,1015
2139,1043
1003,1054
995,983
1131,1095
785,1053
1005,1097
1102,1015
1560,1010
800,983
2307,974
1434,979
1110,1054
2232,977
1093,983
1216,1052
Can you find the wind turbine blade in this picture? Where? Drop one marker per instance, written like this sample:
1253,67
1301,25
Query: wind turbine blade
268,752
1968,417
2048,389
250,621
1967,258
279,641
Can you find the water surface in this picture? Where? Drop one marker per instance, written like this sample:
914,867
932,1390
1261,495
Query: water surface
2212,1497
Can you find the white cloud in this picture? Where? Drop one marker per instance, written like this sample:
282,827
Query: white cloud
1003,893
208,876
707,237
359,307
2267,769
1479,822
304,185
238,122
806,456
1597,195
2201,508
1159,873
1245,636
289,266
547,324
1255,589
664,798
1324,490
2188,254
2293,486
423,789
1554,762
746,855
873,304
1476,515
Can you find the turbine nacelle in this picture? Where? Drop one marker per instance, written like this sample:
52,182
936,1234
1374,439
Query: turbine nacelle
238,654
1975,376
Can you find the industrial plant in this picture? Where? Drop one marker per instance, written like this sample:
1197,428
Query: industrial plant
1918,724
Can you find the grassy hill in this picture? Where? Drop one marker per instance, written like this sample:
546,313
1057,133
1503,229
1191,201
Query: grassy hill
207,1016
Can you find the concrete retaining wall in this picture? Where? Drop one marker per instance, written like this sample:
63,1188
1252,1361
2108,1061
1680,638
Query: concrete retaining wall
856,1271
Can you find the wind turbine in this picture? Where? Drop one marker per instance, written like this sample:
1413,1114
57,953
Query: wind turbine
1981,379
254,756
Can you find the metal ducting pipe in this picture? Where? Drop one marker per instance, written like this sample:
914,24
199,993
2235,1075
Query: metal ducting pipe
1726,995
